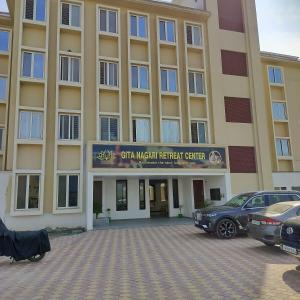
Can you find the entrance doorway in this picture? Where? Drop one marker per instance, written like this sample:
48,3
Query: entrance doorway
198,187
97,196
159,202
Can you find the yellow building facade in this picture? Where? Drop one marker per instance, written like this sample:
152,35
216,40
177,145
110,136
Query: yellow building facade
139,109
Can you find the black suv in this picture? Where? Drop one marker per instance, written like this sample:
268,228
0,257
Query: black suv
229,219
290,236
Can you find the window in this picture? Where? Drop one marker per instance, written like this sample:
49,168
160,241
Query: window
167,30
70,14
121,195
215,194
138,26
68,186
109,73
175,193
256,202
242,159
35,10
108,20
171,131
283,147
238,110
168,80
273,199
275,75
142,194
279,111
4,41
1,138
33,65
31,125
234,63
140,77
193,35
196,83
198,130
70,69
296,188
109,129
3,88
28,192
141,130
69,127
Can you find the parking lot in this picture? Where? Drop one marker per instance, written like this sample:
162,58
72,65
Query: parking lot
157,262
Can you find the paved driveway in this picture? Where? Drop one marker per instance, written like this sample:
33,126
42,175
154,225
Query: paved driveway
163,262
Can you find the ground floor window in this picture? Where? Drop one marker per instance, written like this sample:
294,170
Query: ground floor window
175,194
142,194
68,191
28,191
121,195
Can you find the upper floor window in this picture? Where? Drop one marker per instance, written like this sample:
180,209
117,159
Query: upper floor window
138,26
141,130
109,73
168,80
279,111
167,31
108,20
196,83
1,138
140,77
70,14
193,35
283,147
69,127
109,129
33,65
4,40
35,10
3,88
68,191
70,69
171,131
28,192
199,133
275,75
31,125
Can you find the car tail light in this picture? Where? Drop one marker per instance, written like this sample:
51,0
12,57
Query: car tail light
269,221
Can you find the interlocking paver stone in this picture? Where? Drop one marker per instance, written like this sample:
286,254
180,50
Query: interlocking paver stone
162,262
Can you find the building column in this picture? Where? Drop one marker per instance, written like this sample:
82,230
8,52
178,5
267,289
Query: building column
89,201
227,179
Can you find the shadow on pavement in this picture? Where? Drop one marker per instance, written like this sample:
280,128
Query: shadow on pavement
292,279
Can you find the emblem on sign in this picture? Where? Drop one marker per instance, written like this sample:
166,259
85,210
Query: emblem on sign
215,158
289,230
105,155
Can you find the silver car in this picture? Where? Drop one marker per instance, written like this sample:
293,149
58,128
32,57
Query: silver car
265,225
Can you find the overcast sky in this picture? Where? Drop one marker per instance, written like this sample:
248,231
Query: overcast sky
278,23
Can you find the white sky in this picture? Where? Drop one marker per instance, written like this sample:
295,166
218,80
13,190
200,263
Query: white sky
278,24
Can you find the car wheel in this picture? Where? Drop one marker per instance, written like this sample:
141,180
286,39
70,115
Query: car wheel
226,229
270,244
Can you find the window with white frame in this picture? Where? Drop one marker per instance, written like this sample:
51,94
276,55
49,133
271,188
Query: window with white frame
168,80
199,132
27,191
68,191
167,30
35,10
33,65
171,131
4,41
283,147
108,20
141,130
109,73
3,88
138,26
69,127
196,83
193,35
30,125
109,128
70,14
279,111
140,77
70,69
1,138
275,74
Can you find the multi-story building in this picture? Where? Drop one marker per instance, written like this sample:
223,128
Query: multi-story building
138,109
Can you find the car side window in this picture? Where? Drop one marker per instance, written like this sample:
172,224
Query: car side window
273,199
298,212
256,202
289,197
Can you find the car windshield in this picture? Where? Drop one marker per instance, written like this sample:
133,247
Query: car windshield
278,208
239,200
